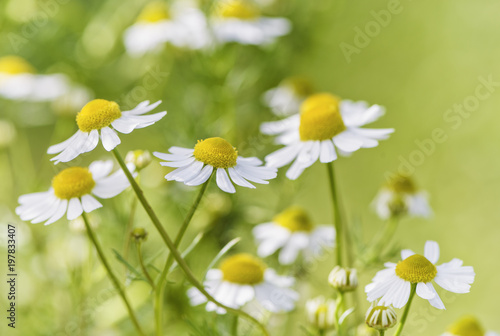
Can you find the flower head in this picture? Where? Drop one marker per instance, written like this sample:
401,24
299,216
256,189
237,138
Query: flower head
195,166
293,231
380,317
102,118
72,193
393,285
240,21
325,122
343,279
400,196
242,278
285,99
467,326
139,158
321,312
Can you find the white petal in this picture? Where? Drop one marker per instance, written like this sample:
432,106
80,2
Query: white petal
100,169
185,173
328,153
109,138
177,164
59,212
436,300
283,156
238,179
406,253
202,177
297,242
424,291
63,145
91,141
74,208
89,203
347,142
224,182
431,251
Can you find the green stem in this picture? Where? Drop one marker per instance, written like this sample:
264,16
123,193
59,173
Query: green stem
235,326
407,310
336,213
111,275
143,267
176,254
128,229
321,332
381,332
338,313
170,259
382,240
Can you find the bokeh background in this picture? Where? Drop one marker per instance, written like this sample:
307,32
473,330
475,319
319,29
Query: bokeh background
423,62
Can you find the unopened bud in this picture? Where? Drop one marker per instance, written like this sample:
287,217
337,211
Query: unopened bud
321,312
343,279
139,234
140,158
381,317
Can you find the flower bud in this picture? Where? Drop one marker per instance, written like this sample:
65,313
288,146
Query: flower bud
140,158
381,317
343,279
139,234
321,312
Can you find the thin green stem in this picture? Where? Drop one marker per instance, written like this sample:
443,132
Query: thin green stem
143,267
176,254
111,275
338,313
336,213
234,327
407,310
381,332
170,259
128,229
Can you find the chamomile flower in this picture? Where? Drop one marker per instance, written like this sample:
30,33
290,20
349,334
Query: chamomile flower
240,21
195,166
19,81
285,99
468,326
102,118
400,196
183,25
292,231
380,317
321,312
393,285
72,193
242,278
325,122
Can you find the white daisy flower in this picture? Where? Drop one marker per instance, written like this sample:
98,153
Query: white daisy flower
324,122
292,231
393,285
400,196
240,21
242,278
195,166
183,25
321,312
380,317
19,81
468,326
285,99
72,193
96,119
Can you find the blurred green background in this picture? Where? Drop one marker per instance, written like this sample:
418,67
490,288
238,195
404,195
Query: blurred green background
429,57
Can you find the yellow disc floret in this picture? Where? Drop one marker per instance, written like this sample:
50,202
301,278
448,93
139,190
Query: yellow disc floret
73,182
294,219
466,326
415,269
216,152
320,117
402,184
154,12
97,114
14,65
239,9
243,269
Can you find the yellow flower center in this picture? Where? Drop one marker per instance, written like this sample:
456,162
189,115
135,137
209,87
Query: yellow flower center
14,65
73,182
154,12
294,219
402,184
97,114
320,117
216,152
466,326
243,269
239,9
301,86
415,269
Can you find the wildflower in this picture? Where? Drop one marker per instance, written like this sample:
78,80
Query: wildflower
195,166
400,196
72,193
139,234
292,231
19,81
324,122
393,285
321,312
103,118
183,25
139,158
242,278
343,279
240,21
468,326
285,99
381,317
